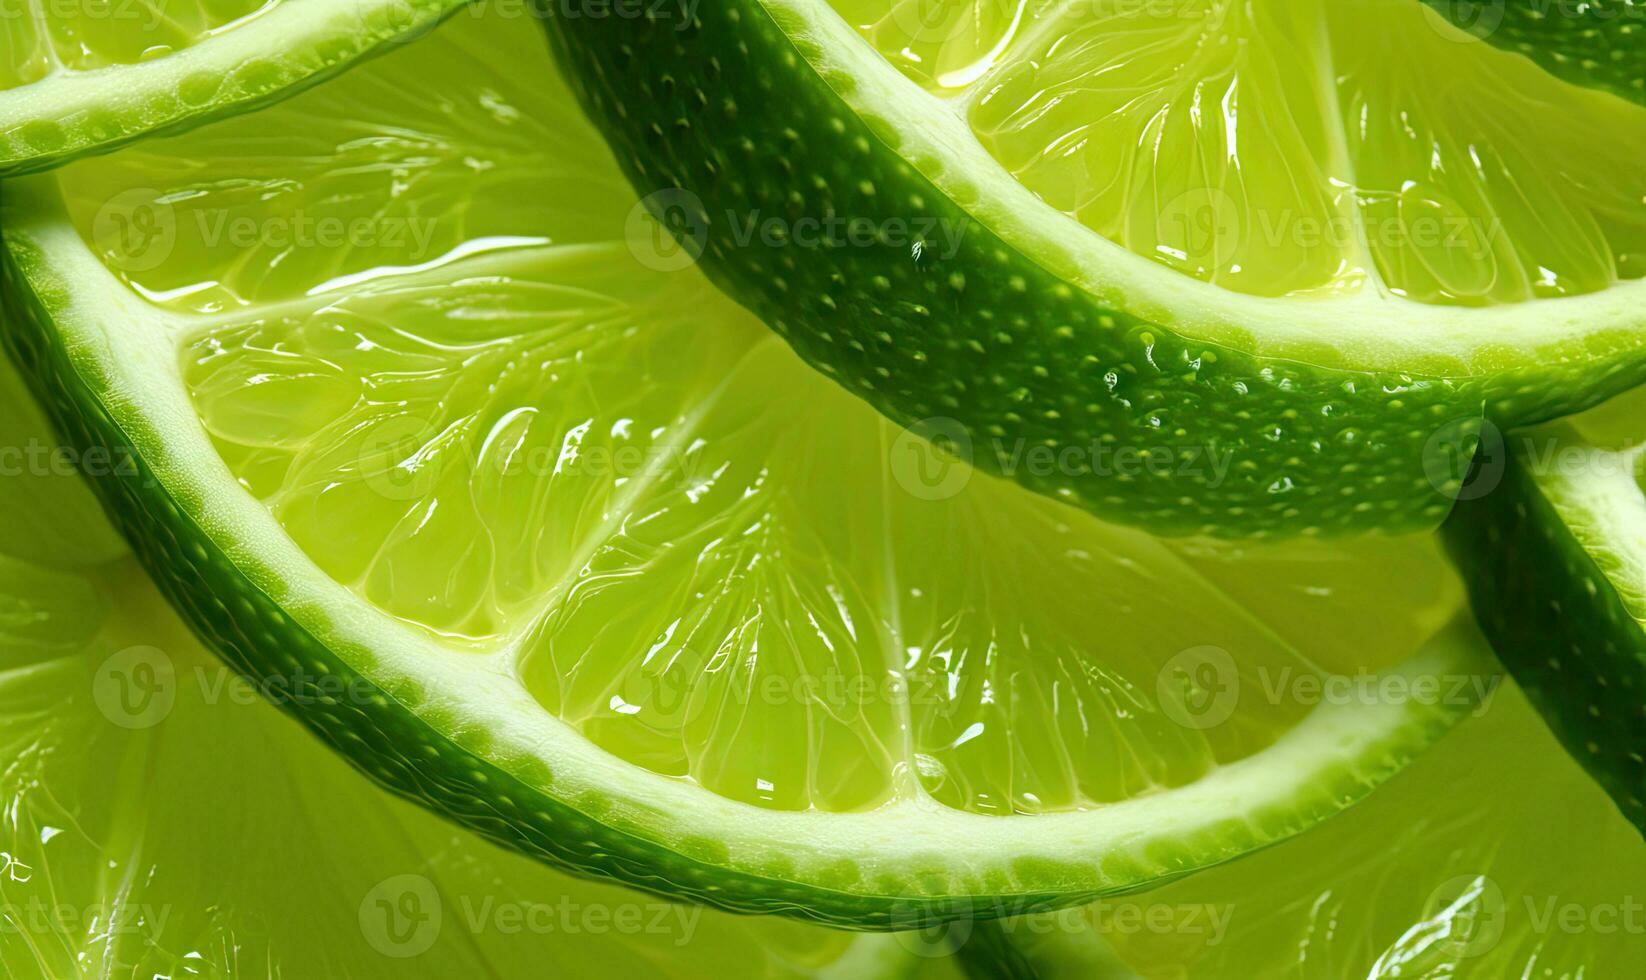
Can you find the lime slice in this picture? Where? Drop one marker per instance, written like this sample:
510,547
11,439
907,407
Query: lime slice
162,821
1492,856
1320,241
86,76
201,834
1593,44
584,558
1552,542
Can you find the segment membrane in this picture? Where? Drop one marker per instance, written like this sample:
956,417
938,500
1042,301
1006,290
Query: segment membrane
1481,179
945,45
709,559
1188,138
1286,147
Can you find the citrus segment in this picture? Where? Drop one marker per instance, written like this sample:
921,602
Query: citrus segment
1460,882
138,767
1551,547
1088,229
572,528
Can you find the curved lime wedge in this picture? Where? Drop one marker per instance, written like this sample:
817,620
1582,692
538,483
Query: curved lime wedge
86,77
1552,543
1111,248
161,820
1596,45
1492,856
186,829
582,557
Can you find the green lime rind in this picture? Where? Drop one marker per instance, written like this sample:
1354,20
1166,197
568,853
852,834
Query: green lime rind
730,117
129,799
430,727
1458,883
67,116
1599,44
379,732
1559,608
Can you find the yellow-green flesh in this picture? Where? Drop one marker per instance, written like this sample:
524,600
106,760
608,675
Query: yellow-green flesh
1288,147
479,411
1492,856
158,819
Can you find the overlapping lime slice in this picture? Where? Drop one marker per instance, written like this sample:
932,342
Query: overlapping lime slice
1492,856
85,76
159,819
1552,542
1322,241
1596,45
576,553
